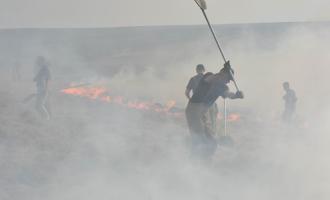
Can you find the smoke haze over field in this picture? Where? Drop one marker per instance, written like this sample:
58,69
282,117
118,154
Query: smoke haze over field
111,13
94,150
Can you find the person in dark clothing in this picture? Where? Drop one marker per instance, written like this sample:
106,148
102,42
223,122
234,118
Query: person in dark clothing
210,87
290,100
191,87
194,81
41,80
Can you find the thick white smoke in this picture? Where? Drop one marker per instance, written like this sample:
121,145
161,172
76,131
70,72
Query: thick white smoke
95,150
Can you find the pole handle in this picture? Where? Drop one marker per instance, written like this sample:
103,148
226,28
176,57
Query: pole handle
225,116
214,36
218,44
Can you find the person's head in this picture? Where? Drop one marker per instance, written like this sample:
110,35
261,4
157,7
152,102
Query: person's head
41,61
226,73
286,85
200,69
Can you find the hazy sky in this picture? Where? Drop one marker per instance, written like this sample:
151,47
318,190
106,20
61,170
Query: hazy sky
100,13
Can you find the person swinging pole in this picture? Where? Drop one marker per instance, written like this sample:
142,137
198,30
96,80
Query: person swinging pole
211,86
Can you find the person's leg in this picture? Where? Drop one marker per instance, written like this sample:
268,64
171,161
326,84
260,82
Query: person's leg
44,106
213,110
210,143
287,115
47,105
194,115
40,105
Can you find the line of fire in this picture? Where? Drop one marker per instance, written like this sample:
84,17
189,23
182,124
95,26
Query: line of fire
102,94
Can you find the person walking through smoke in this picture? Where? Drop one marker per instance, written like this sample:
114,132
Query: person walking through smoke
210,87
191,87
290,100
41,80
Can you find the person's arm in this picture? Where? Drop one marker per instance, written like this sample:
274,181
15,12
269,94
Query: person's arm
215,77
188,88
232,95
187,93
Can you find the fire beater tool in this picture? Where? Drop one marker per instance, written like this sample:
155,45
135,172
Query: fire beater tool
226,139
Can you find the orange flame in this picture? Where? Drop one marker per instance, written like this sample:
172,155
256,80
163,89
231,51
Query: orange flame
92,93
102,94
234,117
169,105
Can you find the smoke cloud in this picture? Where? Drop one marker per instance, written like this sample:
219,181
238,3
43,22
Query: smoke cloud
97,150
